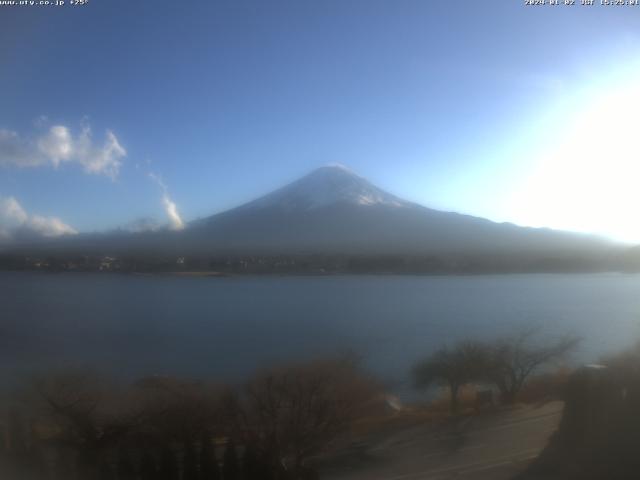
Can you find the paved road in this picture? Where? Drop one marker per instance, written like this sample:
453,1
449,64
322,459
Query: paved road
491,446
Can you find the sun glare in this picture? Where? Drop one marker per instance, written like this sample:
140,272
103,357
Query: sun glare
589,180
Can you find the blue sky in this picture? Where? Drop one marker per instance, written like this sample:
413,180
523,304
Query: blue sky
468,106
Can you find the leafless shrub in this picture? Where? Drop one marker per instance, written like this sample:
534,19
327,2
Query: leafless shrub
292,413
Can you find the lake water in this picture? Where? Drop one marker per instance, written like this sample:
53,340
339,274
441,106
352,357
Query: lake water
227,327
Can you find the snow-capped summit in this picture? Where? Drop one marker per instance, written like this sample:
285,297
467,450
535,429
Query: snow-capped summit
329,185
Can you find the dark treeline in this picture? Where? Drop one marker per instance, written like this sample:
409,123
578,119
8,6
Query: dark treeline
81,426
325,264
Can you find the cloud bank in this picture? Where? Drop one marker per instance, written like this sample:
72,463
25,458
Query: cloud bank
59,146
170,208
14,220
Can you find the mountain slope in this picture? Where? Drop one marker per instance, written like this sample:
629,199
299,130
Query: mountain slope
334,211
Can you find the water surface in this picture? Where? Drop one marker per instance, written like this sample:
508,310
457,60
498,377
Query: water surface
227,327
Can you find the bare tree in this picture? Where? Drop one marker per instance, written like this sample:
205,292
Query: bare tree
85,413
452,367
512,360
181,416
291,413
180,410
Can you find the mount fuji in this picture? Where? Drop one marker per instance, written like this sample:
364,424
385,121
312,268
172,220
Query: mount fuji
333,211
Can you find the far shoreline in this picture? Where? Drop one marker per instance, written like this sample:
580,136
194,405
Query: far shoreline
219,274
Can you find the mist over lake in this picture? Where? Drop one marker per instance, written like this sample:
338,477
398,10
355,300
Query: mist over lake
226,328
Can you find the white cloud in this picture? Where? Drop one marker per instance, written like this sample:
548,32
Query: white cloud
11,212
58,146
14,218
49,226
172,212
170,208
